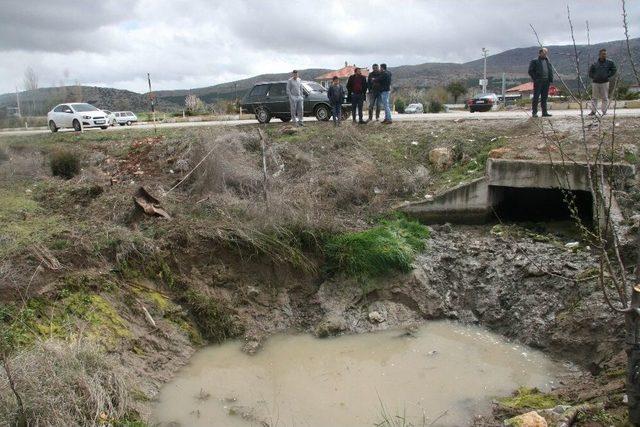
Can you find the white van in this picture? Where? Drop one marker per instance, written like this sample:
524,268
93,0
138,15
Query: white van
123,118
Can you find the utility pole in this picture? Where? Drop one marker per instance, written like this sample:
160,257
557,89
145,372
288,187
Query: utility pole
153,109
504,90
484,75
18,102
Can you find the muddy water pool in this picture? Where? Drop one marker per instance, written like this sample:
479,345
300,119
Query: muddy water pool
442,375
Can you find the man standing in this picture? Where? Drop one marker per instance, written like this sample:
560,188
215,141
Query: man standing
374,91
357,89
600,72
336,96
296,98
385,89
541,73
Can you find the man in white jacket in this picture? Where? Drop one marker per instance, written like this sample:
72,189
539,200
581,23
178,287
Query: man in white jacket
296,98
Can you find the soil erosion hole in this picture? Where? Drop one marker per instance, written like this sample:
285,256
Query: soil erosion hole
541,204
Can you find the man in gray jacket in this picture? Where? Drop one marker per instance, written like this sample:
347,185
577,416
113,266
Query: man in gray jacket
600,72
296,98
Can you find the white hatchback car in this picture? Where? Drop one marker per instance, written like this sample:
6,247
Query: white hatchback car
76,115
123,118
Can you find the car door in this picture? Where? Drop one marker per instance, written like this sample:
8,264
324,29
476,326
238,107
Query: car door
56,115
66,117
258,96
277,99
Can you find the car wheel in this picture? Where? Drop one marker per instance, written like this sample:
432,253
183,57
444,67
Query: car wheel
285,119
263,115
52,126
322,113
104,127
129,123
121,124
76,125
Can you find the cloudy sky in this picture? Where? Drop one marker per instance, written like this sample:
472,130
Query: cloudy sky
195,43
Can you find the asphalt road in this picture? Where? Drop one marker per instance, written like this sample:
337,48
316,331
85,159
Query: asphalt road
454,115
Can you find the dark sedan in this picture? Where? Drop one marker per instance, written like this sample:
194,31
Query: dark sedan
482,102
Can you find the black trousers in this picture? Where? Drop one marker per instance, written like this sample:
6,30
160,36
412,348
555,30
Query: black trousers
357,101
541,92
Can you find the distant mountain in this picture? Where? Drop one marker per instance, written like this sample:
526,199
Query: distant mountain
513,62
40,101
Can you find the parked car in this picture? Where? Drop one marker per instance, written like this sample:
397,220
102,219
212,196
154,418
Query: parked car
110,117
269,99
76,115
414,109
123,118
482,102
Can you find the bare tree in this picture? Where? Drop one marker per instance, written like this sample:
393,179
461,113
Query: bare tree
30,82
618,276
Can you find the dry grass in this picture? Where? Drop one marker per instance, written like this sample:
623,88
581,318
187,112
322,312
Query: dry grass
64,384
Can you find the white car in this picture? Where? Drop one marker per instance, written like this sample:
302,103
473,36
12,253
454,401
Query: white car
123,118
414,109
76,115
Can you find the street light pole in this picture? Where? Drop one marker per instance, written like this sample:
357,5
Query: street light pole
484,74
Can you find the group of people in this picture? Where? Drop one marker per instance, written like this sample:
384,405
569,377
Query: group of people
600,72
374,90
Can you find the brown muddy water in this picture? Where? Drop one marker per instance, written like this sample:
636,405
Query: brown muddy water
446,373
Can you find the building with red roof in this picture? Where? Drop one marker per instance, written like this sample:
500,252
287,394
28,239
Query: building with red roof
343,74
526,90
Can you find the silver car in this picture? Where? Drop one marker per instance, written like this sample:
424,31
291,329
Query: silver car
414,109
123,118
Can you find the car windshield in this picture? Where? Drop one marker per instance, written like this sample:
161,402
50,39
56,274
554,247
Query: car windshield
81,108
314,87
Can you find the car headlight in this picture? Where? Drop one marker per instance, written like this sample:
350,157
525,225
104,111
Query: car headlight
86,117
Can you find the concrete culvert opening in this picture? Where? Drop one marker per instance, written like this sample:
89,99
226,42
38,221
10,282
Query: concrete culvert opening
541,204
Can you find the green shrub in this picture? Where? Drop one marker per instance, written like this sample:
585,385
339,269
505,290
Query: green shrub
65,164
400,105
390,246
435,106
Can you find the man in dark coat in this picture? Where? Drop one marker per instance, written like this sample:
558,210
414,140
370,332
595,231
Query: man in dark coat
336,96
357,89
374,92
600,72
541,72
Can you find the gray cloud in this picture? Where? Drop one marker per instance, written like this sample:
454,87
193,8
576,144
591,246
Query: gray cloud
199,43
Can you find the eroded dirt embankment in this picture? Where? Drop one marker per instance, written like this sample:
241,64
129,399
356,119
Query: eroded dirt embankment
229,265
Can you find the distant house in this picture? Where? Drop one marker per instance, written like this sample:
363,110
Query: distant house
343,74
526,90
634,89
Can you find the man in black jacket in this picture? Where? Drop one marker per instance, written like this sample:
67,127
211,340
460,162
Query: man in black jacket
357,89
374,91
600,72
385,91
541,72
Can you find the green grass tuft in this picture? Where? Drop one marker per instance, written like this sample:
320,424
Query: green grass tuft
530,398
390,246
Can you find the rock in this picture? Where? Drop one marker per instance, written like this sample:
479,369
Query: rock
572,245
376,317
330,326
530,419
441,158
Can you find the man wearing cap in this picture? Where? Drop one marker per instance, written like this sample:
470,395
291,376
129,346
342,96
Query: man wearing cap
296,98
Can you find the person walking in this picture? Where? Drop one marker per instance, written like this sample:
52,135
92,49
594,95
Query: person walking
296,98
600,72
541,72
336,96
357,89
385,90
374,91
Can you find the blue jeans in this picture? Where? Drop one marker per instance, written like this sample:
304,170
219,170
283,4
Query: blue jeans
336,111
357,100
385,102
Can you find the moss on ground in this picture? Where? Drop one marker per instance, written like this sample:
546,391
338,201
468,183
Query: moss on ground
390,246
529,398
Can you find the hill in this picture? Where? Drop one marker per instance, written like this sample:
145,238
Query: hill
513,62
